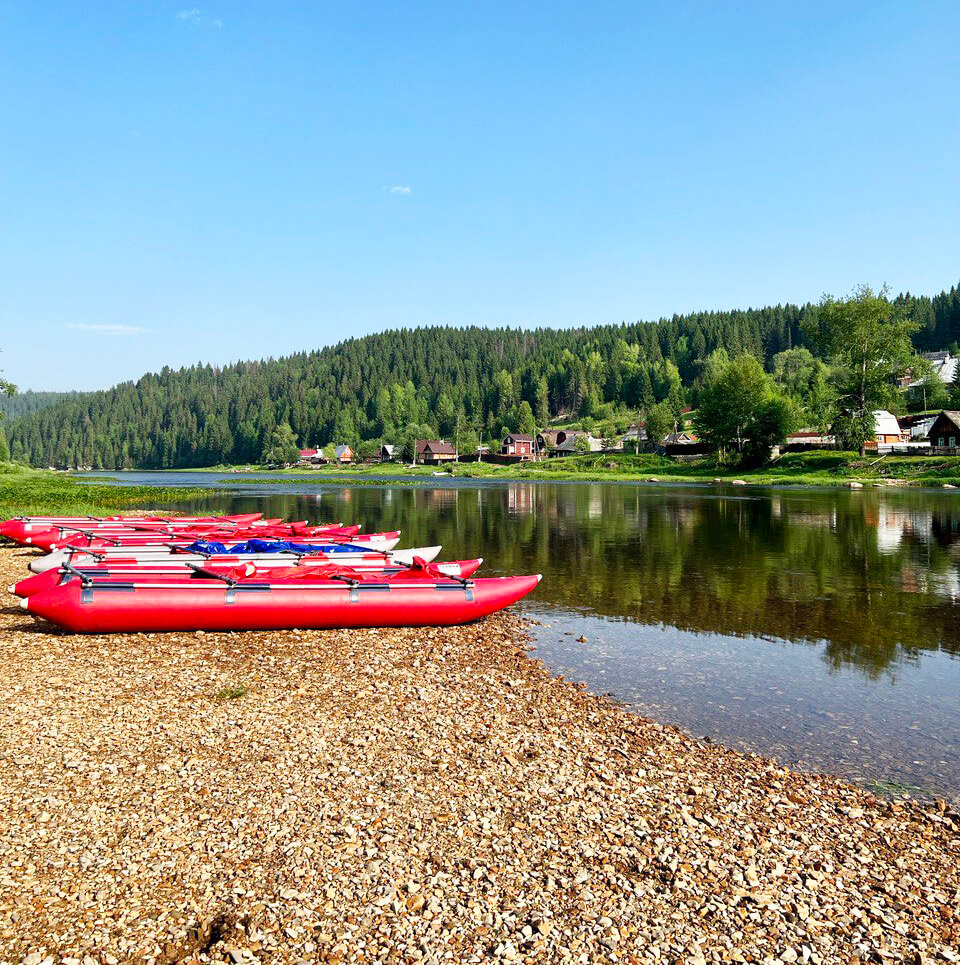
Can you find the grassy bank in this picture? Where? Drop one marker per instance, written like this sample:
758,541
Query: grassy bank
804,468
39,492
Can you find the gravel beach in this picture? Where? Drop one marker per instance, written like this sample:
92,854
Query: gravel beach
418,796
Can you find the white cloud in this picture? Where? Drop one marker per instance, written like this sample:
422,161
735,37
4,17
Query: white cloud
195,16
401,189
108,329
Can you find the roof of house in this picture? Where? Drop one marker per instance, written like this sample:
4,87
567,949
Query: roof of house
570,443
952,414
437,446
680,439
339,451
309,453
519,437
885,423
944,367
388,448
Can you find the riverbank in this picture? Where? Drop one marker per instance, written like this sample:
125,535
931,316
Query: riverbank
418,795
42,493
792,469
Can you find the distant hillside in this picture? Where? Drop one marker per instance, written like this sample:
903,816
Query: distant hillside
26,403
412,380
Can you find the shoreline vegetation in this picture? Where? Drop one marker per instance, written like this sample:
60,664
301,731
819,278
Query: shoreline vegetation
41,492
420,794
792,469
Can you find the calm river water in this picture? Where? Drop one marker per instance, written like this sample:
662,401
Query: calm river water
821,627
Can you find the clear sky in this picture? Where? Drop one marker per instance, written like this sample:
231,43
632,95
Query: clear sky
185,183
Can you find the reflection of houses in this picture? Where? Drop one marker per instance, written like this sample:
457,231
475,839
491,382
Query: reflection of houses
342,455
518,445
432,452
520,498
944,434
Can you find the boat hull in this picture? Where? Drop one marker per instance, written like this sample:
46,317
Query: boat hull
156,608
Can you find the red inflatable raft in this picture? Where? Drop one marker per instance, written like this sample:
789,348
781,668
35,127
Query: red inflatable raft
147,606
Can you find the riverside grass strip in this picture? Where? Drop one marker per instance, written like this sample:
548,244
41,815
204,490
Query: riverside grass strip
41,493
419,795
792,469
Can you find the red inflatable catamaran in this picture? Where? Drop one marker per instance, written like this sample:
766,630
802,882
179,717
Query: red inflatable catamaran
156,574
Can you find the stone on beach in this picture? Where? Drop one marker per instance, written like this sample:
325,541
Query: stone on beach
419,795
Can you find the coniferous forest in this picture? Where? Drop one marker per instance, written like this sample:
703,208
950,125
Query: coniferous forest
473,382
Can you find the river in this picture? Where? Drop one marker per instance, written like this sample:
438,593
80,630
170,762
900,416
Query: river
821,627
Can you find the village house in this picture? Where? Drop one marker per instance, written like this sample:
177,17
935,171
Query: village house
342,455
944,434
944,368
634,437
806,439
518,445
431,452
886,430
548,439
387,453
567,446
310,457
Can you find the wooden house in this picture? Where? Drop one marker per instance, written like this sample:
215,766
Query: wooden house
342,455
518,445
388,453
886,429
944,434
310,457
431,452
567,446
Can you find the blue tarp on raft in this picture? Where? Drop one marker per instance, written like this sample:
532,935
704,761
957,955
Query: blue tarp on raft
210,548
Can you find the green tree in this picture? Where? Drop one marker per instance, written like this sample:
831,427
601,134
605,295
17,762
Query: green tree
542,405
4,448
581,444
525,420
931,391
740,410
867,338
281,448
660,422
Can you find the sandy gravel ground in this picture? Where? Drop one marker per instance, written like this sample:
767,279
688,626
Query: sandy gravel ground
418,796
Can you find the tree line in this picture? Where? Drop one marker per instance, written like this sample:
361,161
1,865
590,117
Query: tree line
467,384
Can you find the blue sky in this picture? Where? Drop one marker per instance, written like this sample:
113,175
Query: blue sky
184,183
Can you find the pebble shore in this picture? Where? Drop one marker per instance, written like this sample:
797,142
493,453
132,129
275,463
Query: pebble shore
419,796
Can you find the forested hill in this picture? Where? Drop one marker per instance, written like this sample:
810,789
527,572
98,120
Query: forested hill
430,380
24,403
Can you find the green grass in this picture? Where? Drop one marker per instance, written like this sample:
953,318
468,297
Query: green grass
895,789
39,492
233,692
802,468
